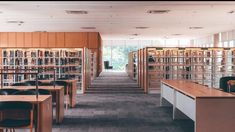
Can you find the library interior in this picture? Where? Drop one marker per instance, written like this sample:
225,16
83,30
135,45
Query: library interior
120,66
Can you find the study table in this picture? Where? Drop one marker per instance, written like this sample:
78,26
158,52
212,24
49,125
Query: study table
44,113
57,93
211,110
72,90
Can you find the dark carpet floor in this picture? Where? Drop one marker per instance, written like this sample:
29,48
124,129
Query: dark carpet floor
121,113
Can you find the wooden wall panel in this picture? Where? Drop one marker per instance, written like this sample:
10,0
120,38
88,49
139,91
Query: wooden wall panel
75,39
11,39
3,39
93,40
60,39
43,40
27,39
19,39
52,39
35,39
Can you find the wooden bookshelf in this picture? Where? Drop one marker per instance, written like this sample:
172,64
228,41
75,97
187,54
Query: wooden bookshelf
61,62
93,68
132,65
202,65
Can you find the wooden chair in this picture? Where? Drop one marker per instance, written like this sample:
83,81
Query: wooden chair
223,82
16,115
231,86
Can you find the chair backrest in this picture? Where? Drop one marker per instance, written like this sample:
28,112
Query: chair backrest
61,83
25,92
32,83
41,91
17,111
3,92
8,91
106,64
16,105
45,84
20,84
223,82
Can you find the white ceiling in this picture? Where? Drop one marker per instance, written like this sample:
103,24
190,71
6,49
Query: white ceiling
117,20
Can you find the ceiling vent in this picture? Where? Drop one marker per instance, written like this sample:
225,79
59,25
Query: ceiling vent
16,22
141,27
88,27
195,27
158,11
76,12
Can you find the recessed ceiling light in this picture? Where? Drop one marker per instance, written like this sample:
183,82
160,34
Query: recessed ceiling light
141,27
195,27
75,12
166,37
176,34
158,11
88,27
135,34
231,12
41,31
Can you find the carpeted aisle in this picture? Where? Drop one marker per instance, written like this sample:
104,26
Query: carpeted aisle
121,113
117,109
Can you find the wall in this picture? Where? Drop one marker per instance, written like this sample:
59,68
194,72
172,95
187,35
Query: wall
91,40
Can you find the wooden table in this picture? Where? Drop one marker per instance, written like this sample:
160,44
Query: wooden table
72,90
44,120
211,110
57,93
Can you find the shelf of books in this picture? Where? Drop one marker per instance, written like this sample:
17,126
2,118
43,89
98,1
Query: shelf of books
58,62
202,65
93,56
132,65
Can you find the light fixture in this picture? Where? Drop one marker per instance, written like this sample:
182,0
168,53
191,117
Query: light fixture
135,34
176,34
76,12
231,12
158,11
88,27
141,27
16,22
131,38
40,31
166,37
195,27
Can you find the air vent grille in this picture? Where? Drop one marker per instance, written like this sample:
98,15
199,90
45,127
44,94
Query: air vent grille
17,22
88,27
76,12
141,27
158,11
195,27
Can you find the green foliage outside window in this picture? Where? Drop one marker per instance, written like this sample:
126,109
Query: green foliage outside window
117,55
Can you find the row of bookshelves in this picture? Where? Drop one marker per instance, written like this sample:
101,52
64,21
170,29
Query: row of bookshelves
202,65
132,65
58,62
